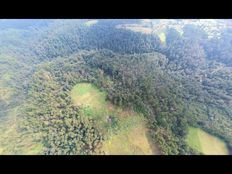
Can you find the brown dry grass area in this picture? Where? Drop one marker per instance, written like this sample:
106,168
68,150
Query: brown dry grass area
122,113
110,106
132,142
127,113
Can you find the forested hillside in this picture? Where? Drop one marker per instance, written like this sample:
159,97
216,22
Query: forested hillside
175,77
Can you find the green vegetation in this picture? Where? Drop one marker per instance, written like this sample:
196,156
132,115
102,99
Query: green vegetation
88,95
84,87
124,130
15,141
130,142
162,37
206,143
91,22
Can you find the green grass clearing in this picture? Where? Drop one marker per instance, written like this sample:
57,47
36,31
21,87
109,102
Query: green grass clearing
162,37
88,95
91,22
206,143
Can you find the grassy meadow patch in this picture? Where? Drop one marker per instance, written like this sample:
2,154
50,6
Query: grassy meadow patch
125,130
162,37
206,143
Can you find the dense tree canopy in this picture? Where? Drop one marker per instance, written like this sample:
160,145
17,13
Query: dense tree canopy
185,82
